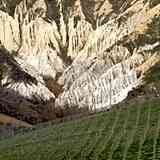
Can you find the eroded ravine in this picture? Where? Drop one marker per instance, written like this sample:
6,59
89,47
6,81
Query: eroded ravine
75,54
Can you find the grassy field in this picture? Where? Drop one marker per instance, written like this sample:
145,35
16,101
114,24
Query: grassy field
130,132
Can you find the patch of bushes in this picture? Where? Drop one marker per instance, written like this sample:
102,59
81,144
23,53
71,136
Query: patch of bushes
153,75
154,29
152,3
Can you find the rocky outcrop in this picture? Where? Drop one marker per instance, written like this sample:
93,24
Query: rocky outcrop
80,53
119,42
9,32
23,91
18,76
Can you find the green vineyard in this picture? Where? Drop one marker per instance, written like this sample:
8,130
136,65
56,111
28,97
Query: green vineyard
125,133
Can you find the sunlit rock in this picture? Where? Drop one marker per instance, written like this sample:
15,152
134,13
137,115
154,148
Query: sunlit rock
81,53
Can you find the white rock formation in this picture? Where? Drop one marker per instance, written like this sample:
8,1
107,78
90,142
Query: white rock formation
93,51
23,79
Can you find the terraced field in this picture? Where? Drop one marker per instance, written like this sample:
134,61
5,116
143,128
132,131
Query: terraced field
125,133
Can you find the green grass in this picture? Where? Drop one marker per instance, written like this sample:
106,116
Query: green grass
124,133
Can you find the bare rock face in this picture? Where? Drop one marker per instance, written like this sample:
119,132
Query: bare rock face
121,43
23,78
43,50
9,31
81,53
22,88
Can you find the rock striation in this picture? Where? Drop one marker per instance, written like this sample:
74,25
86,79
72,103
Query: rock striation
81,53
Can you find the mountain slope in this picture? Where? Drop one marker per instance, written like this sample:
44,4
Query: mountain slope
126,132
87,54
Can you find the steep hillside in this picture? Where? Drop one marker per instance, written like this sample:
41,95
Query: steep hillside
70,56
126,132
